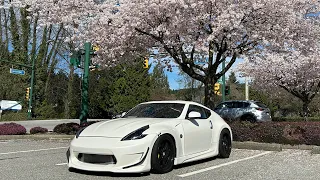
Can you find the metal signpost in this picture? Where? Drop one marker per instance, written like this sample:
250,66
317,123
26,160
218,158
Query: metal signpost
75,60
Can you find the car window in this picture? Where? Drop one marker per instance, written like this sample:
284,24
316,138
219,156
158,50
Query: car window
208,113
237,105
197,109
245,104
260,104
229,105
220,106
156,110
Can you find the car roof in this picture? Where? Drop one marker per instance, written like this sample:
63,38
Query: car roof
252,101
174,101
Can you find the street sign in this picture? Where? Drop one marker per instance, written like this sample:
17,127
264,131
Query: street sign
17,71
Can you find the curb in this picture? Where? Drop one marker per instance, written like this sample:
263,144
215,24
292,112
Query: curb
257,146
315,150
274,147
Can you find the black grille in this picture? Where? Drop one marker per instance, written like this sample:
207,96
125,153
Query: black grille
97,159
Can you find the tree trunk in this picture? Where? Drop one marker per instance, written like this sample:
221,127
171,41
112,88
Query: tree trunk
25,35
209,93
305,110
68,98
14,27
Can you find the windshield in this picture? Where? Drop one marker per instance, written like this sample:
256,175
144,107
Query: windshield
156,110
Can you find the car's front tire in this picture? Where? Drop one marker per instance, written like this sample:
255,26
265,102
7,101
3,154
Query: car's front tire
163,154
225,144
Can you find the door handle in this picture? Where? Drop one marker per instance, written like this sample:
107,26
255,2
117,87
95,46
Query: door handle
211,126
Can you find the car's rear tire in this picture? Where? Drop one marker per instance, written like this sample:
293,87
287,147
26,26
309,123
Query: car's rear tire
225,144
163,154
249,118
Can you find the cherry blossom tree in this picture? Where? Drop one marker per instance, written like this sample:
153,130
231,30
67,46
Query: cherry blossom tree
295,72
192,29
188,30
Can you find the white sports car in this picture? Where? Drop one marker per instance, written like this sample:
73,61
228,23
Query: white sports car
153,136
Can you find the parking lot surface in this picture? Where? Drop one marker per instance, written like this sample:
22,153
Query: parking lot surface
30,160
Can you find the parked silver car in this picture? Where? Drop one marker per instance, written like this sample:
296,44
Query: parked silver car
253,111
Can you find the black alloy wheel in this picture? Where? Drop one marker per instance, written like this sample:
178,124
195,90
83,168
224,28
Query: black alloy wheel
251,119
225,145
163,154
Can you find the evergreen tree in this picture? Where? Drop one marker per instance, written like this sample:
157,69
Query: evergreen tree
160,84
232,78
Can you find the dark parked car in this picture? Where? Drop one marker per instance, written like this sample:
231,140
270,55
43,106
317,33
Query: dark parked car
253,111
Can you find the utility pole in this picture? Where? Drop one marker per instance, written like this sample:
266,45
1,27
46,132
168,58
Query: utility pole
85,84
31,87
247,88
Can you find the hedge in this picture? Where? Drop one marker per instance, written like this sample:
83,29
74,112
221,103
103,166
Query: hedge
38,130
277,132
12,129
294,119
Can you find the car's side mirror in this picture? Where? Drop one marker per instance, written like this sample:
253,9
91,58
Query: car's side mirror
124,113
194,115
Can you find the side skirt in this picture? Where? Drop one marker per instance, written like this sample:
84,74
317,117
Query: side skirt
198,156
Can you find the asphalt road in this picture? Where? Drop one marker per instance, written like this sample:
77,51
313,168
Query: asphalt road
29,160
49,124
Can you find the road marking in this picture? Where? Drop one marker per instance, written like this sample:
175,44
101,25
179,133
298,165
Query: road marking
36,150
221,165
61,164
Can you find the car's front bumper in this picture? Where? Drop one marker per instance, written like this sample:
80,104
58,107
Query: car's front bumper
131,156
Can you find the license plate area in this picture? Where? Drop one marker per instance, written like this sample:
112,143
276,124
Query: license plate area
97,159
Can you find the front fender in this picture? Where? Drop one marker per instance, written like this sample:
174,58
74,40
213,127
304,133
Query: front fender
174,130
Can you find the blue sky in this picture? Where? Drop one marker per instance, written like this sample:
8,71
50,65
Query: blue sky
174,76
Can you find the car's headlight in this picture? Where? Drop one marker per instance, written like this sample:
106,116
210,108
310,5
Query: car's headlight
137,134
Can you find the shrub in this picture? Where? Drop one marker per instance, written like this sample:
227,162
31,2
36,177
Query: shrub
40,130
71,128
294,119
278,132
13,116
66,128
12,129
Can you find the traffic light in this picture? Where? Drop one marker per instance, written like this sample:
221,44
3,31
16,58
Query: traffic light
28,93
217,88
95,48
227,90
145,63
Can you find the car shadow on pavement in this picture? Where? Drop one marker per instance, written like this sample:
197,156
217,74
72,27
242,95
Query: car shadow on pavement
110,174
195,162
